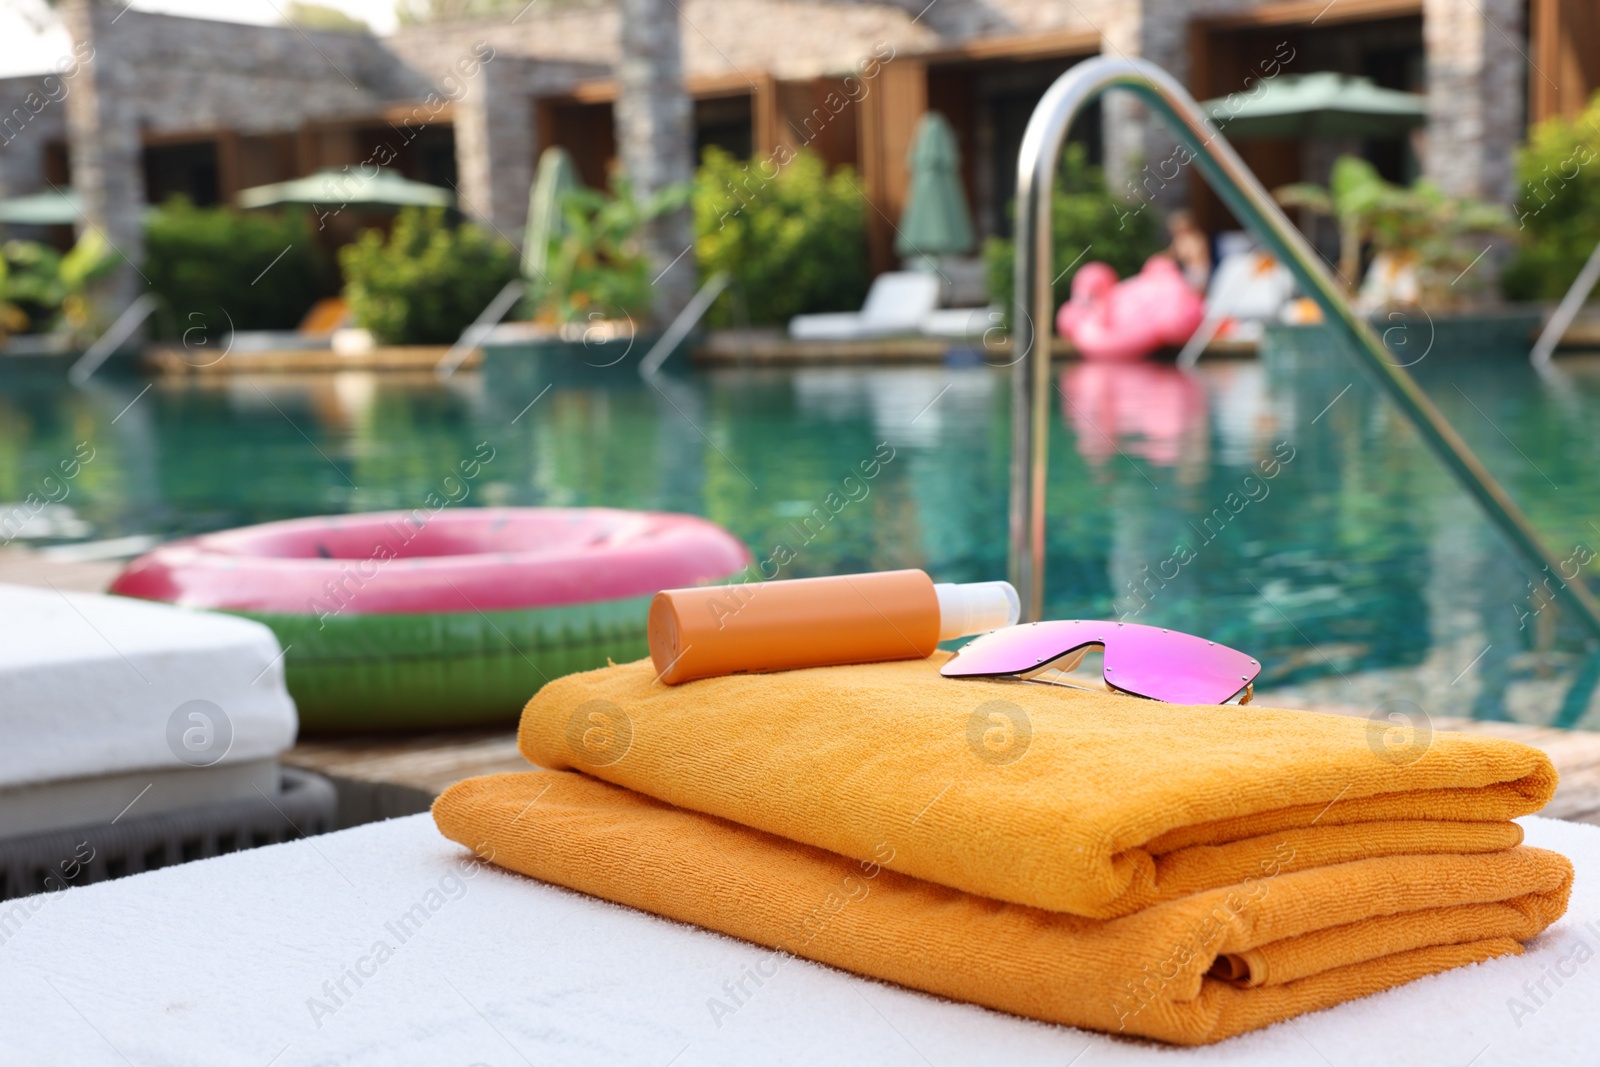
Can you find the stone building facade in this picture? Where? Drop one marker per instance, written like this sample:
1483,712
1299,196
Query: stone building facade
157,104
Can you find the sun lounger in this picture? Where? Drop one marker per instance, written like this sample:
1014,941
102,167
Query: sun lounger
386,944
316,330
962,323
1248,288
158,728
896,304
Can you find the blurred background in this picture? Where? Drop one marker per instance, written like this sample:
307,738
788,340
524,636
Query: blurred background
242,239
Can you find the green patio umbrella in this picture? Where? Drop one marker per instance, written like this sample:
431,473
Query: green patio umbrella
935,221
1318,105
339,186
52,207
556,177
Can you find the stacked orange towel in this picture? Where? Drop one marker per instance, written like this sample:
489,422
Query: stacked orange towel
1185,873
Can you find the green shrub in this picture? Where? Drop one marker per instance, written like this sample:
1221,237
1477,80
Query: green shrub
1441,236
1089,223
597,265
794,244
30,287
1557,206
428,281
206,262
42,290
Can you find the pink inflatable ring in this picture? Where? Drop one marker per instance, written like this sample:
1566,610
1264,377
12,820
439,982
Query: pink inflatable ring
405,619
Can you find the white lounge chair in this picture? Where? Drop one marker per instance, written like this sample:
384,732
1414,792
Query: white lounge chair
1250,287
387,944
962,323
896,304
146,732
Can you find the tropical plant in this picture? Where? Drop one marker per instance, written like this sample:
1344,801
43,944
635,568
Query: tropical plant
793,244
91,259
427,281
1419,225
1089,223
254,270
308,16
414,12
30,288
1557,206
597,266
41,289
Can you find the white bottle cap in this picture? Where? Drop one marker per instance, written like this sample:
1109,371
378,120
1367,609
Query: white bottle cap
976,608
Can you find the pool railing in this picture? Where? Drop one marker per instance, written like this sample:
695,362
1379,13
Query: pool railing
1244,195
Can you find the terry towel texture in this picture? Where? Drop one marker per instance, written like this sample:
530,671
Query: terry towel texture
1066,800
1189,971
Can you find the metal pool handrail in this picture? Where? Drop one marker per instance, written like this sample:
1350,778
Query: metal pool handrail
1233,181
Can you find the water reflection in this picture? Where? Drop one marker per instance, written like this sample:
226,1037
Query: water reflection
1277,505
1145,409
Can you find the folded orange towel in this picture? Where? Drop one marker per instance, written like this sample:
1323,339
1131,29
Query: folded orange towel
1062,799
1189,971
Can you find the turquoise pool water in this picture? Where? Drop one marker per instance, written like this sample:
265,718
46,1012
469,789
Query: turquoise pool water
1278,505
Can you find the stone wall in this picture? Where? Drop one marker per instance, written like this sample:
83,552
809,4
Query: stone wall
106,147
160,74
33,113
784,38
496,135
188,74
1477,94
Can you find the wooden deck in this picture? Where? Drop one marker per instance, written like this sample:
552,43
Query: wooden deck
24,566
384,776
769,348
169,359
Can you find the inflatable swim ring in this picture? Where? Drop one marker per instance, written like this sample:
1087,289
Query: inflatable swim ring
395,620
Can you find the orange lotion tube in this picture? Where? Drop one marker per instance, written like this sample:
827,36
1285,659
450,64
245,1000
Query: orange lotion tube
802,622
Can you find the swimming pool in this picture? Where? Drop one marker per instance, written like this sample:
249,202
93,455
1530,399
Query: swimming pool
1278,505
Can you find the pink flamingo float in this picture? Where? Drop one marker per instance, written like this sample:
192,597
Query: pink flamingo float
1110,320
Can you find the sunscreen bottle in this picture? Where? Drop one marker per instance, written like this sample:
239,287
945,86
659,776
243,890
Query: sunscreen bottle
817,622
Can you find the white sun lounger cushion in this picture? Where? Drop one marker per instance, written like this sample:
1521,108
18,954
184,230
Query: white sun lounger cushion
93,685
385,944
971,323
1249,285
896,304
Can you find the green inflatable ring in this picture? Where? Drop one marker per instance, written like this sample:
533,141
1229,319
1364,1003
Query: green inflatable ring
406,672
411,620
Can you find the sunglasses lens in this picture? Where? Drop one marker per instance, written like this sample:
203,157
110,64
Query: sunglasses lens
1175,667
1016,649
1144,660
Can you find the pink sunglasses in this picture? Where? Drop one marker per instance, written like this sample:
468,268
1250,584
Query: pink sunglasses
1145,661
